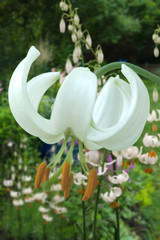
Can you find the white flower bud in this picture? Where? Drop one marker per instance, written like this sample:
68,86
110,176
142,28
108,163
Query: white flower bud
156,52
70,27
77,51
100,56
68,66
61,4
88,41
155,95
65,7
62,26
76,19
75,59
79,34
154,36
74,37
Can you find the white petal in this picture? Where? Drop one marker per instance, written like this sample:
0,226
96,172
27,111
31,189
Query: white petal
74,103
21,104
117,191
133,116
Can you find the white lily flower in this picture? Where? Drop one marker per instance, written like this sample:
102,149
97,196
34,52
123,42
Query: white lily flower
148,158
60,210
111,197
28,199
58,199
17,202
8,183
119,179
119,157
26,178
56,187
47,218
27,190
92,157
152,117
131,152
14,194
151,141
79,179
114,121
43,209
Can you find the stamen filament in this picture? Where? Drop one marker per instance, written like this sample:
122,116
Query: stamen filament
59,154
82,159
68,158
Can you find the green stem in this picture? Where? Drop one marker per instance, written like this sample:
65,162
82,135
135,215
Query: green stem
117,227
117,224
117,65
46,185
95,210
84,220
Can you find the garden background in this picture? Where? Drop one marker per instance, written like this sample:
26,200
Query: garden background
124,30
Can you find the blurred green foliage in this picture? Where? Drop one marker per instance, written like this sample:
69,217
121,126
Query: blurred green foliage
122,27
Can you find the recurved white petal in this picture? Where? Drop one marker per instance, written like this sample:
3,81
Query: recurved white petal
134,105
74,103
22,104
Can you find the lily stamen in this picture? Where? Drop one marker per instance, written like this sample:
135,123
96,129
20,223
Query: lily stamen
39,175
65,175
67,191
152,154
91,185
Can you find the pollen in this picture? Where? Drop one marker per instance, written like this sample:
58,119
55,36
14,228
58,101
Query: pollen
152,154
67,191
39,175
91,185
65,175
45,175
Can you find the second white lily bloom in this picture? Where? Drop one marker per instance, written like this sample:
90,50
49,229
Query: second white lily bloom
113,120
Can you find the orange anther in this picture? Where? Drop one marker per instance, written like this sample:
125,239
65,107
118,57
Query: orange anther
152,154
65,175
67,191
91,185
39,175
154,127
97,182
150,170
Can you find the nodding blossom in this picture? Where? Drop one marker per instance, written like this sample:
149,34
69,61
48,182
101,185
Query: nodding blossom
119,179
151,141
148,158
111,197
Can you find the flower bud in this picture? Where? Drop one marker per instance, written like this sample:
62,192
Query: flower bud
76,19
74,37
62,26
77,51
79,34
61,4
65,7
155,95
75,58
156,52
88,41
100,56
154,36
70,27
68,66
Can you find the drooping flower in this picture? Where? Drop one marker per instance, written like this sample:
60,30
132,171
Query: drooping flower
113,120
111,197
117,116
119,179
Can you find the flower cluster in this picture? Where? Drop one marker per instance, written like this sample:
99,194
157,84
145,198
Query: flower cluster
156,39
